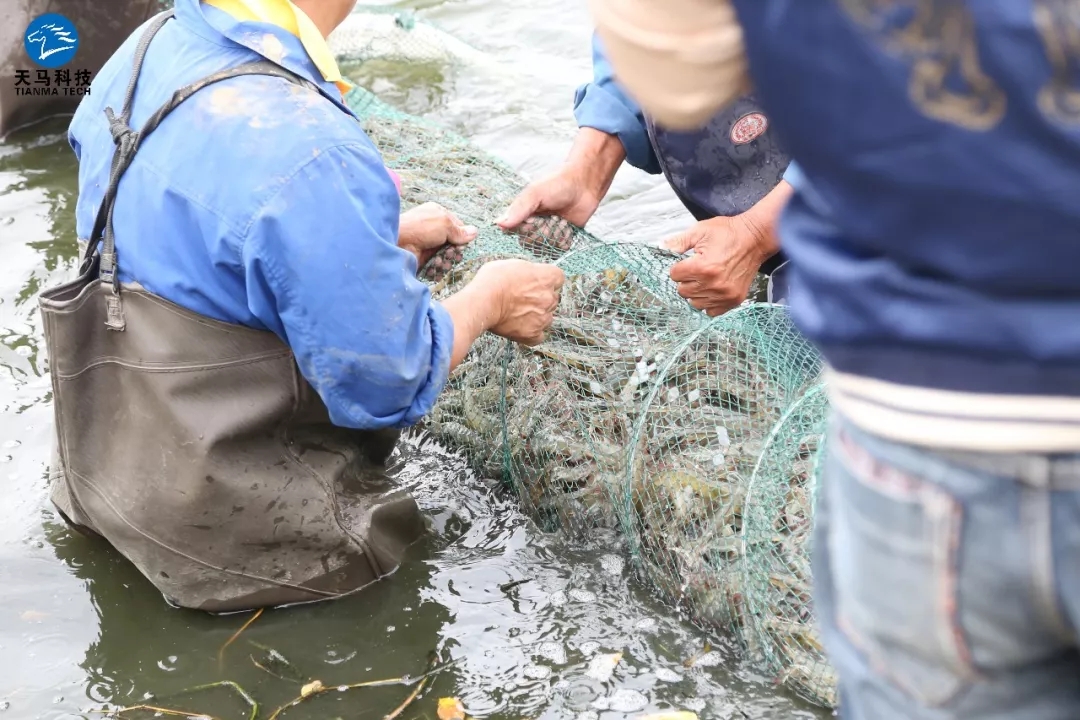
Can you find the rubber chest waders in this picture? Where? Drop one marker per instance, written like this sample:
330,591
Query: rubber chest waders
195,447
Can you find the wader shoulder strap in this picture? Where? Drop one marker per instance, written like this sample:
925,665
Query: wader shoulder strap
127,143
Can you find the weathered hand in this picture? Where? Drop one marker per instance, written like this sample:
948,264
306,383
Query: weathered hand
563,193
575,190
428,227
728,251
526,297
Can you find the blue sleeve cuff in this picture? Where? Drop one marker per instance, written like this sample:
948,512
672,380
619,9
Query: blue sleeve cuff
442,346
598,108
793,175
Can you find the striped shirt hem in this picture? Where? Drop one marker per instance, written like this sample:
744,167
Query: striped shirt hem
957,420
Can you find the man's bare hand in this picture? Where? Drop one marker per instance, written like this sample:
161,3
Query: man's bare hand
727,255
525,298
427,228
563,193
575,190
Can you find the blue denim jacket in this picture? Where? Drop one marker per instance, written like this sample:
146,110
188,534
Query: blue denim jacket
260,204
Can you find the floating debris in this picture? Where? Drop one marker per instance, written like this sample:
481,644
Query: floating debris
221,652
450,709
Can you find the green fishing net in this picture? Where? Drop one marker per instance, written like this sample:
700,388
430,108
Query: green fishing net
695,438
778,609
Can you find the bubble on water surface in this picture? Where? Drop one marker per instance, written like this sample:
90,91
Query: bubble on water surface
557,598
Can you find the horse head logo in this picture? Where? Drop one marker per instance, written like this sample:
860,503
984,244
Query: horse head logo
51,40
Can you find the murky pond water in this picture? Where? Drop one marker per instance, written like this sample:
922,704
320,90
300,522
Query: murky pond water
80,627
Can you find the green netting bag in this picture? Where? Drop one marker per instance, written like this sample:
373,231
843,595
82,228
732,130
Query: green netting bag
572,401
779,628
695,444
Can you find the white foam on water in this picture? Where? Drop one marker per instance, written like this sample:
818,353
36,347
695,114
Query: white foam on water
667,675
589,647
583,596
554,652
626,700
602,667
537,672
709,659
612,564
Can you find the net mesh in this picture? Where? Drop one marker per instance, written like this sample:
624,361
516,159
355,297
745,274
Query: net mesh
695,438
779,615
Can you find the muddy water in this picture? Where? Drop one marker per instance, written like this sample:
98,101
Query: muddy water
79,627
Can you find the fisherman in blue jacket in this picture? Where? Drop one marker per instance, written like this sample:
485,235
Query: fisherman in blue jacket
729,175
248,336
934,244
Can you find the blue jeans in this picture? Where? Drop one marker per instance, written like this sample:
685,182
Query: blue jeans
947,585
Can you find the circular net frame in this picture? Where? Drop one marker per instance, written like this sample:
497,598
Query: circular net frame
572,400
709,409
779,628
